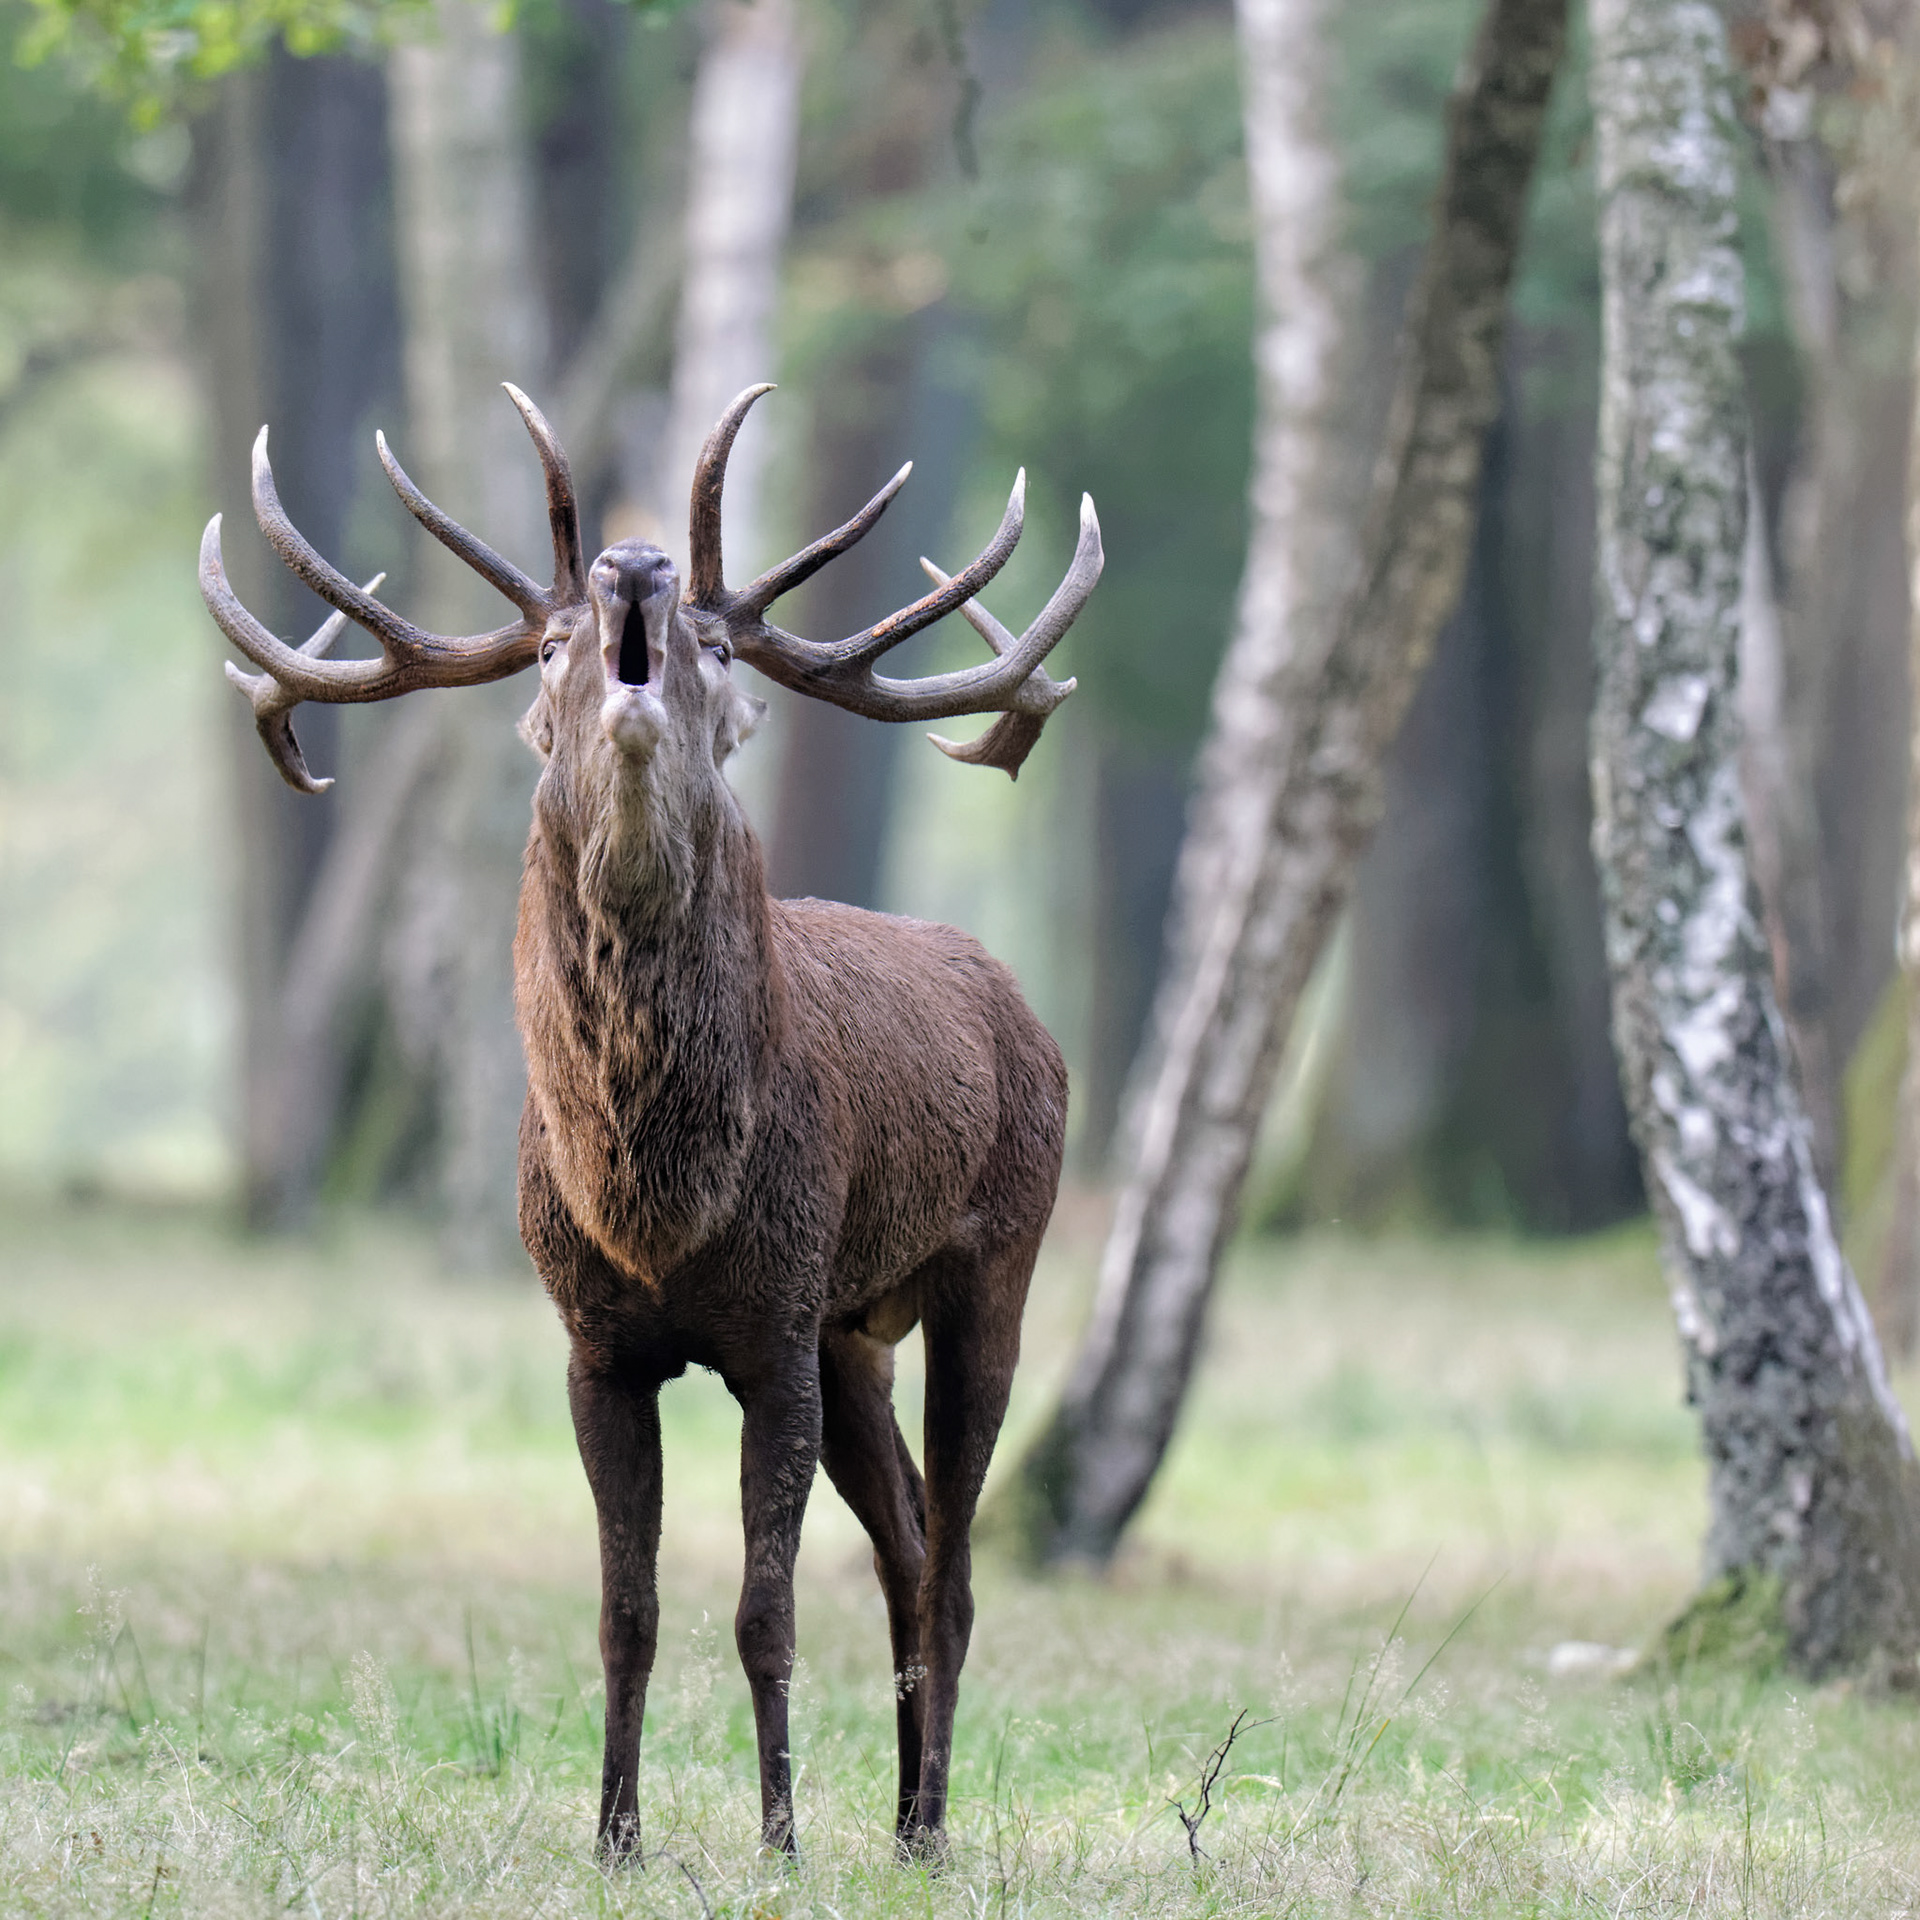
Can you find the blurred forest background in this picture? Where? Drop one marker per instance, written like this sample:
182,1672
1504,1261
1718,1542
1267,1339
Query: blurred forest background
1019,236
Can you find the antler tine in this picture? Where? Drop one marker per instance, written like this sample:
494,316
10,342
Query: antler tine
297,670
883,635
273,722
563,512
272,702
326,636
410,657
706,585
1016,661
1005,744
1010,684
500,574
763,592
1013,735
401,639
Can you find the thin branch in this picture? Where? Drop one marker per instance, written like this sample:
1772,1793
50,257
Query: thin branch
1209,1779
693,1880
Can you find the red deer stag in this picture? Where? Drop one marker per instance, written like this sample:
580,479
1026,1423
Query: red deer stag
763,1136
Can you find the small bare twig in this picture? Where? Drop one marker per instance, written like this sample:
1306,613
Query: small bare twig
693,1880
1209,1779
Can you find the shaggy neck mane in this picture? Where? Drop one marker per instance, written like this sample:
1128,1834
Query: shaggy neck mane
650,1002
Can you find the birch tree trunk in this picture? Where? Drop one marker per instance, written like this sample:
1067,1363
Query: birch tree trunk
741,139
473,319
1315,682
1811,1476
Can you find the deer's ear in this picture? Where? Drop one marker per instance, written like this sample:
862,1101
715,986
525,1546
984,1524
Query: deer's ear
536,726
740,717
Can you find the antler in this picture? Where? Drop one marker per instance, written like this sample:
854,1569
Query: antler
410,657
1012,684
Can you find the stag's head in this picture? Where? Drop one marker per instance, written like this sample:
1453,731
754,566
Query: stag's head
637,709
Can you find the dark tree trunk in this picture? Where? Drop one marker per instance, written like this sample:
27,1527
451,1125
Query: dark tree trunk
1471,1076
836,770
300,327
1419,920
1830,761
1312,690
474,317
1139,805
876,408
575,66
1898,1302
574,56
1811,1476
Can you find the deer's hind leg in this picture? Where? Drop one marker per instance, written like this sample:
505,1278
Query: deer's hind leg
970,1311
866,1457
779,1449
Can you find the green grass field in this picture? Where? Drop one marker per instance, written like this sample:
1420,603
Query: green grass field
297,1616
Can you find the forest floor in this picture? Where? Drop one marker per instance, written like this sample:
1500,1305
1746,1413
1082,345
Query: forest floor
298,1586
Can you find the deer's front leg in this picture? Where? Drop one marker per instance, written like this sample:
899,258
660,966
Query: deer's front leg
617,1423
779,1447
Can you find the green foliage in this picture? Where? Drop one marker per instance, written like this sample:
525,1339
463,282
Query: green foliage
1394,61
67,164
148,54
1105,254
1397,60
153,56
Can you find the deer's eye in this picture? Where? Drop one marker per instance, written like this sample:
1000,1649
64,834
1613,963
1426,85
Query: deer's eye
723,647
549,647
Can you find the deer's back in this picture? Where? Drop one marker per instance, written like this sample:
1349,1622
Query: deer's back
942,1096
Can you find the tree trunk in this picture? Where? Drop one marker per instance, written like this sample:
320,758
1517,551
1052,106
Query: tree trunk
875,408
299,326
1469,1077
1421,906
1899,1301
473,318
1312,689
1791,638
741,138
1811,1477
1139,794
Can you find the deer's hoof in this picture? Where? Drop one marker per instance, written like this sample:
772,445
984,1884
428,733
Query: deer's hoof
619,1843
923,1847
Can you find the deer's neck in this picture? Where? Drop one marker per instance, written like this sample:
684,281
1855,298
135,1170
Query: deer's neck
650,1013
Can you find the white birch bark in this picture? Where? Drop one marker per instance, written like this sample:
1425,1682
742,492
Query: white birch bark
741,138
473,318
1810,1470
1323,661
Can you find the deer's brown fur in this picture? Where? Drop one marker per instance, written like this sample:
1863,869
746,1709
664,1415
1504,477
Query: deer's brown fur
767,1137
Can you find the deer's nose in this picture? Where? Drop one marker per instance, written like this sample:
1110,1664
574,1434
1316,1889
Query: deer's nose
633,572
635,593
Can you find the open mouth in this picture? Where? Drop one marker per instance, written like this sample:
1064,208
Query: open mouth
633,649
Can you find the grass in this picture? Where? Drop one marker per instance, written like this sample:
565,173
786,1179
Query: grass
297,1596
